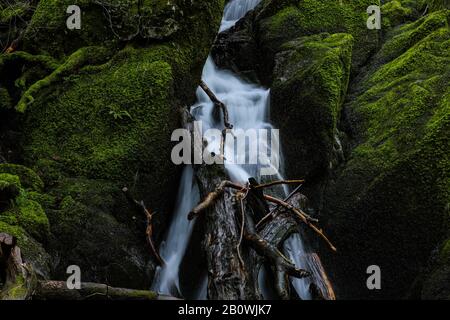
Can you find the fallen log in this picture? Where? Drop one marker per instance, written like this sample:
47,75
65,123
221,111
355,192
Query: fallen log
58,290
20,282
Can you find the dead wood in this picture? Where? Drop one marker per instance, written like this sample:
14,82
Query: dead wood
149,229
217,104
58,290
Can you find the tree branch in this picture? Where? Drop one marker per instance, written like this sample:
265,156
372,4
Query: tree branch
217,103
149,230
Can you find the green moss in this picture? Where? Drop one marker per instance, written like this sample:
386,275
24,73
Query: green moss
15,291
28,178
47,32
10,184
391,197
32,217
86,55
32,251
400,40
320,63
22,210
5,99
12,10
393,13
311,17
435,5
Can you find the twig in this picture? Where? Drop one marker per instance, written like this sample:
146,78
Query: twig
218,104
303,216
149,230
212,197
270,214
238,247
276,183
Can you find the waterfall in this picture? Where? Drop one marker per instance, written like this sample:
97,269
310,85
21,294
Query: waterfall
248,107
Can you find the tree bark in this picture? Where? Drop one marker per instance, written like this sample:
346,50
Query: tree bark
228,280
57,290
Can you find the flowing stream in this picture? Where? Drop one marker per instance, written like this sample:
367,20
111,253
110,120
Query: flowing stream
248,107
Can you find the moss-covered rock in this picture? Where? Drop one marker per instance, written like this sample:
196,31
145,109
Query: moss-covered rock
251,46
113,21
299,18
16,207
388,205
28,178
32,251
308,117
93,227
101,117
9,186
23,217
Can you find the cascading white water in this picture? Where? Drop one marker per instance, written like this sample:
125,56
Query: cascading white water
173,248
248,107
235,10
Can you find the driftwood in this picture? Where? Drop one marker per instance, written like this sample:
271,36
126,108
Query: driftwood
230,212
214,196
149,229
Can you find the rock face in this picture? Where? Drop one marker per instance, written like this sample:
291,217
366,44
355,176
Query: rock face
388,205
363,116
99,106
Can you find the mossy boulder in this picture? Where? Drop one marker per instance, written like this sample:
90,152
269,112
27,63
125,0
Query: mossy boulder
311,76
9,186
110,22
24,218
102,118
255,41
17,208
388,205
94,228
292,19
28,178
